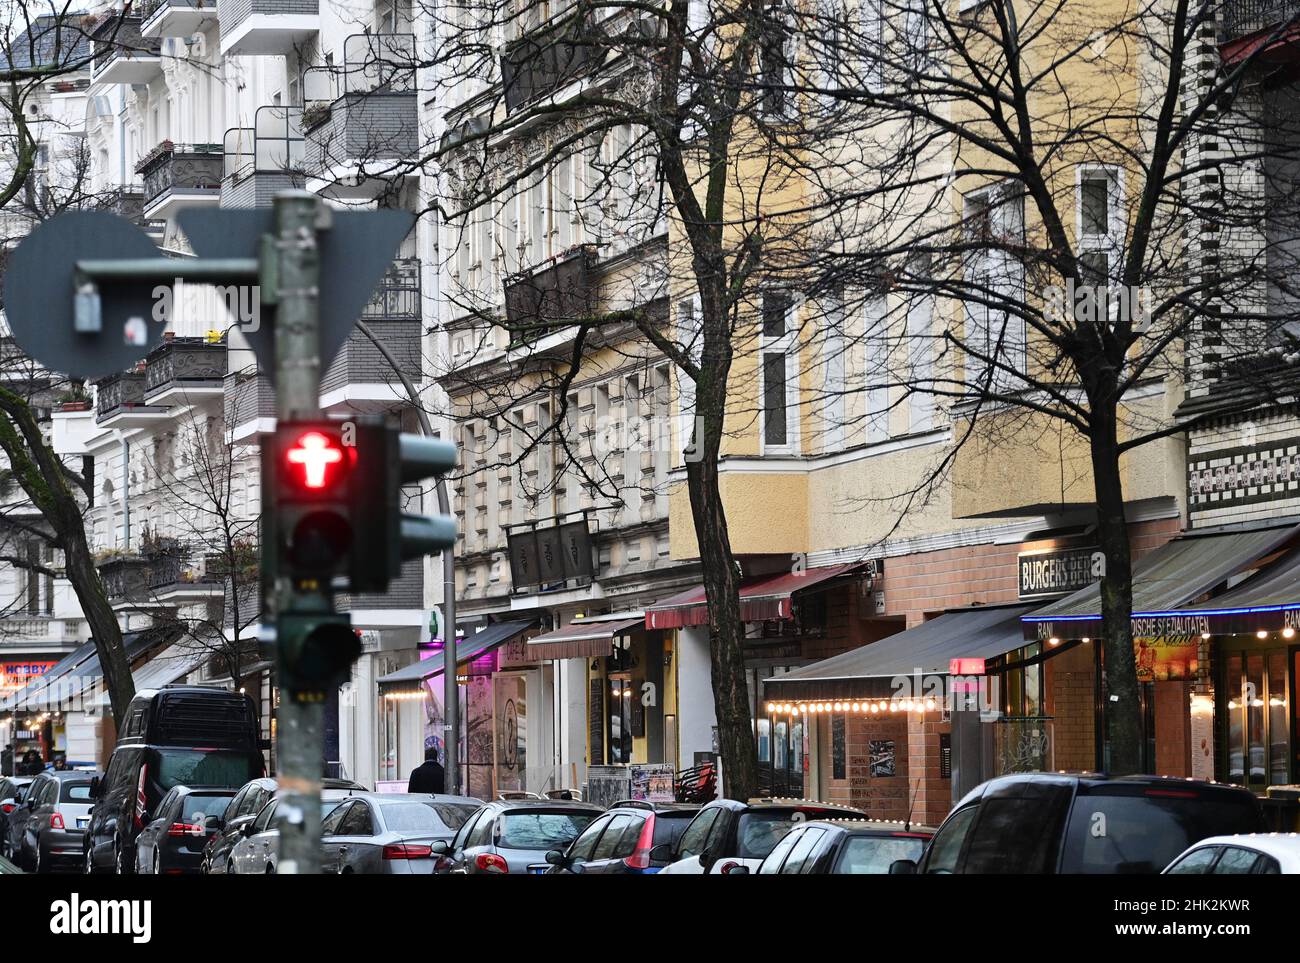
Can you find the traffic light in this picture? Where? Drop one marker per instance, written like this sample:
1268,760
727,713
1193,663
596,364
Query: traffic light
311,476
317,652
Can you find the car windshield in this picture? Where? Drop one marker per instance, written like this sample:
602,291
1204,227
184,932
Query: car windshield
197,767
202,807
1143,834
75,792
541,830
415,817
869,855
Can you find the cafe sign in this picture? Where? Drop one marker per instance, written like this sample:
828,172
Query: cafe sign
1057,571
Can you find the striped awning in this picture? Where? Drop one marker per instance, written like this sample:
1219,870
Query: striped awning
584,639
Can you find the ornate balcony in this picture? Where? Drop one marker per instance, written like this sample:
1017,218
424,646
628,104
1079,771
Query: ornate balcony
174,577
183,370
180,175
1266,29
125,578
361,120
120,401
267,27
128,203
550,296
121,54
544,61
176,18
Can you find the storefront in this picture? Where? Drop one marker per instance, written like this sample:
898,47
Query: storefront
495,698
1216,668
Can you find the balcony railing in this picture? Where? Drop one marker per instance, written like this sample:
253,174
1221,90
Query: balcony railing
127,203
184,362
172,571
550,296
545,60
116,39
188,14
119,393
398,293
1244,17
180,167
125,577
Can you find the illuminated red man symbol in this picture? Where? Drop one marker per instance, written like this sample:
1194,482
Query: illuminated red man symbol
315,453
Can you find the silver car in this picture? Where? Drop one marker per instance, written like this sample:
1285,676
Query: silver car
391,832
259,850
513,836
58,804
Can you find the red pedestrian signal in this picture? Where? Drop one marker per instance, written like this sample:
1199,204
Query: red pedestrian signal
315,460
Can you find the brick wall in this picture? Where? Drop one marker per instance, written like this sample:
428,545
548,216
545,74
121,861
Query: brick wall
359,361
1070,684
365,127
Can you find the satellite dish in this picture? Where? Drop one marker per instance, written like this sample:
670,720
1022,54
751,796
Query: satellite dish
40,295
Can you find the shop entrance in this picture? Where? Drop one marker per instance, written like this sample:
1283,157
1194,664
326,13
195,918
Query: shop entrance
780,740
1256,720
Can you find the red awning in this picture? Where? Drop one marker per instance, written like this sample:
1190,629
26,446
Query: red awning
581,640
763,597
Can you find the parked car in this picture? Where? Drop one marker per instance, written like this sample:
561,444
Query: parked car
173,843
13,791
1048,823
850,847
391,832
1257,854
242,810
631,837
58,805
728,833
258,851
174,736
513,836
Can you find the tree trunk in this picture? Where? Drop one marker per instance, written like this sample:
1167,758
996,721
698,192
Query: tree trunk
1122,711
100,616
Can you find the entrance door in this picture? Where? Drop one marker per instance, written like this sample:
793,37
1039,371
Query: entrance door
1255,719
619,714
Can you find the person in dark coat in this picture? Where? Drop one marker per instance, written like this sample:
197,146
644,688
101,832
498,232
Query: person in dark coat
428,777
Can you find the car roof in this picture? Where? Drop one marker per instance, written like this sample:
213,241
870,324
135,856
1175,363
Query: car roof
1284,847
77,775
548,805
657,807
781,802
1088,781
423,797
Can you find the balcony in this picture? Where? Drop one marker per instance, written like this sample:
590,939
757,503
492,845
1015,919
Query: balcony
551,296
262,160
180,175
250,405
120,403
1268,30
267,27
361,120
128,203
544,61
121,55
176,18
184,370
173,577
126,580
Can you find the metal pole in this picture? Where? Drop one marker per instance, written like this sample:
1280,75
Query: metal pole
450,692
300,725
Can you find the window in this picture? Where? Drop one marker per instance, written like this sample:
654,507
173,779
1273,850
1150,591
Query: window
1195,863
691,340
945,848
481,833
995,334
1016,836
772,864
774,61
330,825
585,844
693,840
1099,235
834,346
875,369
779,382
1236,861
1258,736
871,855
872,42
920,352
802,855
357,821
264,818
531,830
611,840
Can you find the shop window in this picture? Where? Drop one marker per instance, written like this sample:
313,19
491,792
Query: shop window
620,723
1255,719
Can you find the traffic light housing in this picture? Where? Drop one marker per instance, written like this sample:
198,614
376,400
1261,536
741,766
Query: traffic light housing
317,650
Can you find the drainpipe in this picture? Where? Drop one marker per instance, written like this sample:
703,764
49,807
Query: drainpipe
126,491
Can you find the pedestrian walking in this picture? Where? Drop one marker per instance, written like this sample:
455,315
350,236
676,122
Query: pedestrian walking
428,777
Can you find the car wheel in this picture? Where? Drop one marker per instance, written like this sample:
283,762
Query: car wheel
120,865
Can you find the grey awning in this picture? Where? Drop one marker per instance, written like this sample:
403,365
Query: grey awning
867,672
1178,572
17,700
467,648
53,692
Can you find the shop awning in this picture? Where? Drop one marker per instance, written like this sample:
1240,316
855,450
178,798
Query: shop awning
869,672
172,664
1268,600
1166,580
58,688
762,597
587,638
467,648
17,701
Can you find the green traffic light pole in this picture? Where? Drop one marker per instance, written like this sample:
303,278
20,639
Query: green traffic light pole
299,723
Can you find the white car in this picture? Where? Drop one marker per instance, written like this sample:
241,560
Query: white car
726,833
1253,853
259,850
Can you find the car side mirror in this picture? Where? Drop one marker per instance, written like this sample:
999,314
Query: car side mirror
94,788
555,857
30,803
440,847
902,867
707,859
663,853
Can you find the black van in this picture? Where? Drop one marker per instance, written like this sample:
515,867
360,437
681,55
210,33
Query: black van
1048,823
174,736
